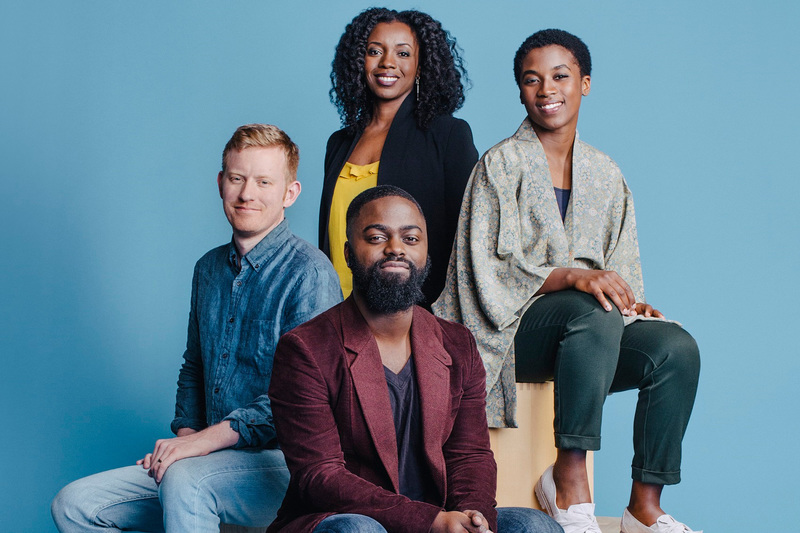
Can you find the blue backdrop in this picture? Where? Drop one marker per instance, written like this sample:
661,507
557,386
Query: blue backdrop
114,115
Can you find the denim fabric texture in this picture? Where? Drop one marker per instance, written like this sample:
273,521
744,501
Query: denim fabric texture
242,487
237,316
509,520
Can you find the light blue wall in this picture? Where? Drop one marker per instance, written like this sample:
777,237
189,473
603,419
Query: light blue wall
112,119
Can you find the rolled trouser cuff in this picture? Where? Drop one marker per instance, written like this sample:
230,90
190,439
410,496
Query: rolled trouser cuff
657,478
577,442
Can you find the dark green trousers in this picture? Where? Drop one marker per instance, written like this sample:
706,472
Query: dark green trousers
568,337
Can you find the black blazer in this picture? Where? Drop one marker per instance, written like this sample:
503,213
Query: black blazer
432,165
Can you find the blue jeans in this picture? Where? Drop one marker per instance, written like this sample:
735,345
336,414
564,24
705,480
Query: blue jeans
509,520
243,487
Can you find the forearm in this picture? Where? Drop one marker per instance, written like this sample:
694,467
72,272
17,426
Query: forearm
559,279
219,436
190,397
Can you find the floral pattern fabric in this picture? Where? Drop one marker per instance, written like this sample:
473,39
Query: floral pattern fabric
511,237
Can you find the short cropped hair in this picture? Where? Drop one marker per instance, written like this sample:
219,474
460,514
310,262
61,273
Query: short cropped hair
370,195
543,38
263,136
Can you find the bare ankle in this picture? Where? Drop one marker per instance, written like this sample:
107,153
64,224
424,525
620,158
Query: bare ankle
571,479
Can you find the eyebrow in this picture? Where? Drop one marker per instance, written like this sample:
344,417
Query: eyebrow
564,65
382,227
398,44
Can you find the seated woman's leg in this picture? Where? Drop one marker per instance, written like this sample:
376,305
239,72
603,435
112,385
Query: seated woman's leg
349,523
662,360
568,337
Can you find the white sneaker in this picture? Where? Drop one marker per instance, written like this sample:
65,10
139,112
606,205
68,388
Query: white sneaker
579,518
664,524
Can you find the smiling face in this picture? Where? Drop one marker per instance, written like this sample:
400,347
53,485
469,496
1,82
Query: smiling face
551,88
388,254
391,61
255,189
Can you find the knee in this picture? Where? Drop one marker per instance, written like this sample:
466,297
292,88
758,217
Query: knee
180,478
525,520
68,505
349,523
591,316
682,356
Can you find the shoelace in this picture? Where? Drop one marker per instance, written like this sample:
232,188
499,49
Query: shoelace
670,525
579,518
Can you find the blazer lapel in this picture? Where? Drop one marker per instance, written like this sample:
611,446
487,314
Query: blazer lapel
369,381
432,365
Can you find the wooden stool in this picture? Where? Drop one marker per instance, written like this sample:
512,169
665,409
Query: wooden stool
523,453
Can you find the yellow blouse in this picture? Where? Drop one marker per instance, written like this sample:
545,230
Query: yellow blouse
353,180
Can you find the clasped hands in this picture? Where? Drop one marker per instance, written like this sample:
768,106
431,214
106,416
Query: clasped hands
188,443
460,522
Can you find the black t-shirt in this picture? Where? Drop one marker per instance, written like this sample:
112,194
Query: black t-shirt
416,482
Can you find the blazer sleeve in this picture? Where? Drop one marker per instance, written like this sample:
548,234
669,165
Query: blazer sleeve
471,468
460,159
309,437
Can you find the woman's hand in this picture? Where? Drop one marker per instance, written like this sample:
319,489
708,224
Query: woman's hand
602,284
647,310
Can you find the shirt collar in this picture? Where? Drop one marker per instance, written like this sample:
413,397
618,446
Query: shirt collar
265,249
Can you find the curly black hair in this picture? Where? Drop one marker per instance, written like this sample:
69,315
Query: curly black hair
441,69
543,38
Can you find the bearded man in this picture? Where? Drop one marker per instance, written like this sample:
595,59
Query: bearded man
379,405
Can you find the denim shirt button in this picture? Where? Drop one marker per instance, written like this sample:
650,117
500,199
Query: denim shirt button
238,283
224,356
216,390
252,420
230,320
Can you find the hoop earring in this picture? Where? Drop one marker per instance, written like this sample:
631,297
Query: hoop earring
417,82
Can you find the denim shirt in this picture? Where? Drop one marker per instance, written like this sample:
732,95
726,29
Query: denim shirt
237,316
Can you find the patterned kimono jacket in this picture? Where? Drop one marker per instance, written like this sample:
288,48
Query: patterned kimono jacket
511,237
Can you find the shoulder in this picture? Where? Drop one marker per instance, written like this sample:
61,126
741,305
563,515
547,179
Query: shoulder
449,127
340,137
318,333
597,159
511,154
325,322
308,264
455,337
212,258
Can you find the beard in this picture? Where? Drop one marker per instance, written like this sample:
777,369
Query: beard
388,293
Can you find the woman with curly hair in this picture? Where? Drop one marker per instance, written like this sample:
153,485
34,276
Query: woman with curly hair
397,78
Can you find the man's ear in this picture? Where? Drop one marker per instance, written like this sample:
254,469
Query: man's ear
292,192
347,253
219,183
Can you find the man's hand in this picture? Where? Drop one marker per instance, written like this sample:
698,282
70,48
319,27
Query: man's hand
188,443
458,522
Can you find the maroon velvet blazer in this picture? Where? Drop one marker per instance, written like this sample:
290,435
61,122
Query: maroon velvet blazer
334,422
